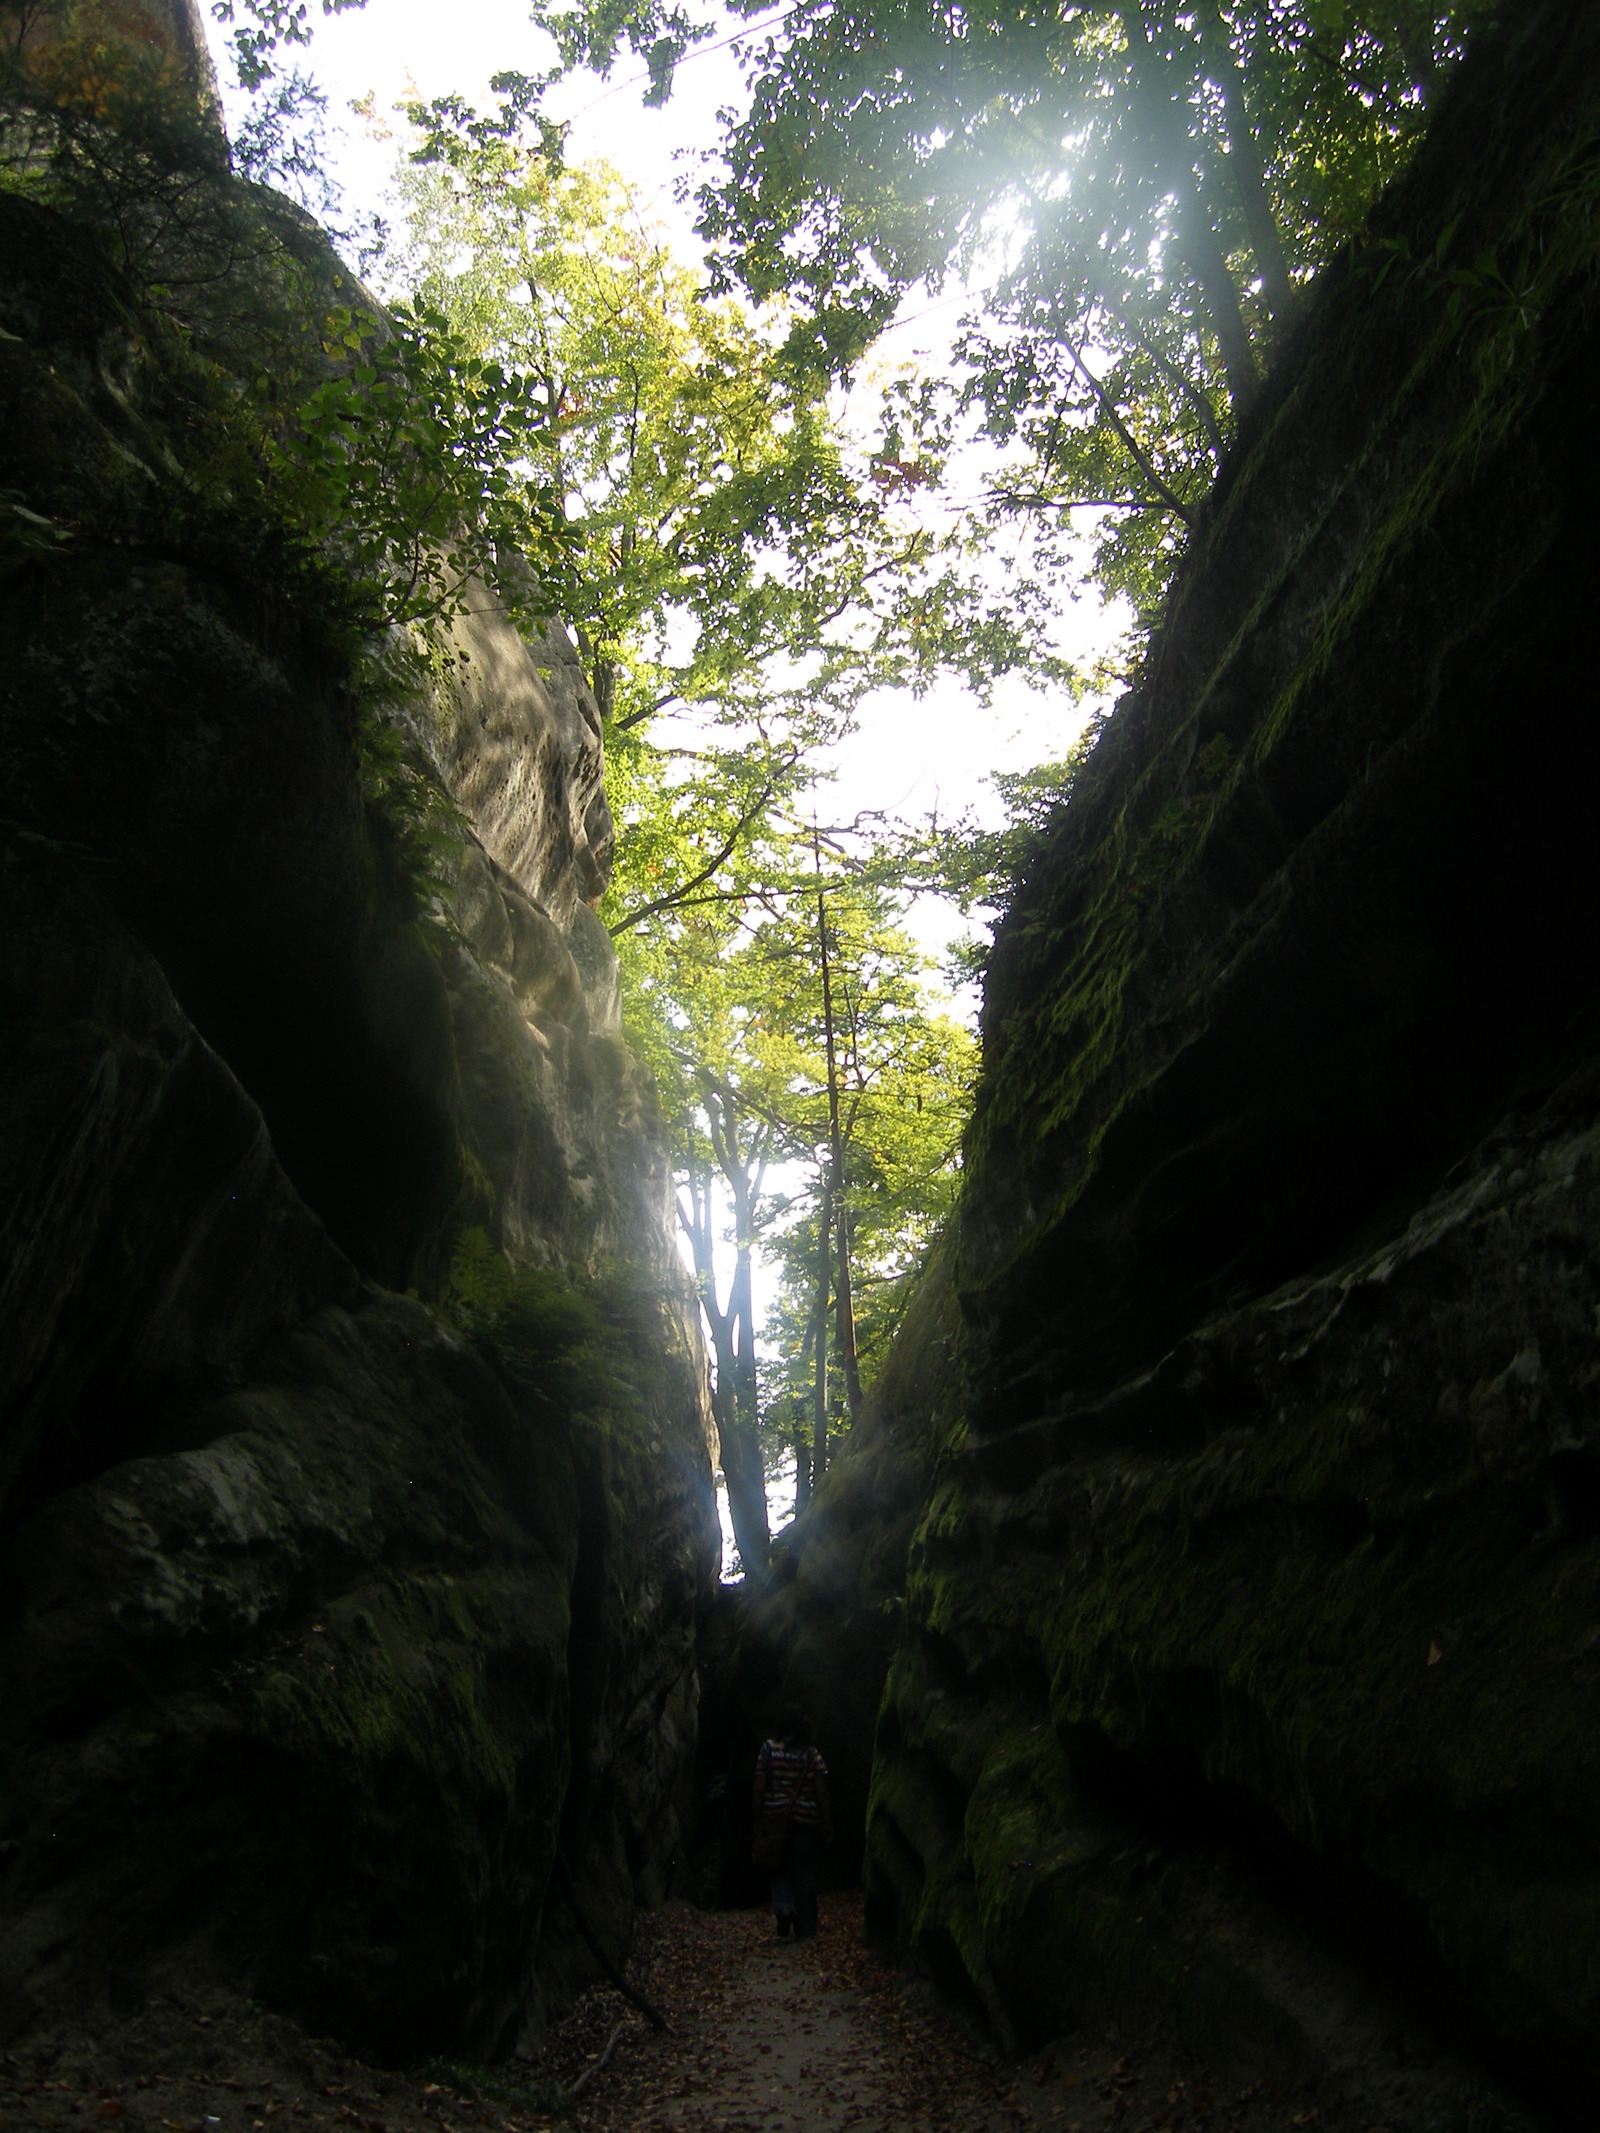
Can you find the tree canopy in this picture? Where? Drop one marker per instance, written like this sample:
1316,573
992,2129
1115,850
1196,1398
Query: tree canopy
735,582
1138,191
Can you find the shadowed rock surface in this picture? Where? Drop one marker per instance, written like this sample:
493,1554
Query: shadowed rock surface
325,1622
1252,1608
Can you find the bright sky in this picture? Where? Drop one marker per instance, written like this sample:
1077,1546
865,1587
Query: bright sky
907,756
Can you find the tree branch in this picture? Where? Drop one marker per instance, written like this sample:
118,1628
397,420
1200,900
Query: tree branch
1175,375
682,892
636,718
1135,451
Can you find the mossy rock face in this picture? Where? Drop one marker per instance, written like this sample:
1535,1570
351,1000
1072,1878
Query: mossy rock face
1002,1877
288,1635
1337,1557
179,711
325,1625
319,1633
1275,1519
1318,901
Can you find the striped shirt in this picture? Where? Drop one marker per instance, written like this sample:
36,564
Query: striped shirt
792,1774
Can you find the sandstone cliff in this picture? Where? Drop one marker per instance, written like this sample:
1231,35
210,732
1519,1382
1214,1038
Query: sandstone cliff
327,1621
1270,1541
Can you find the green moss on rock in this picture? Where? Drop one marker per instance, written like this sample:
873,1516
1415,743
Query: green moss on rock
1273,1530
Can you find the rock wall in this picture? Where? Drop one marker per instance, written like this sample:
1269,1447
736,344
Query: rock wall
327,1622
1269,1551
172,31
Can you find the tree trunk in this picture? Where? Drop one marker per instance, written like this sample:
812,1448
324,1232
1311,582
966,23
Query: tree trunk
802,1471
836,1181
751,1527
741,1312
742,1467
1244,157
746,1403
819,1340
847,1315
745,1474
1167,131
1222,303
605,688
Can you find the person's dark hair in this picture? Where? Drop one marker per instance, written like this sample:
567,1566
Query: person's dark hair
793,1727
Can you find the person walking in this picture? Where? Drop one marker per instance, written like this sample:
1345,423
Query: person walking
792,1820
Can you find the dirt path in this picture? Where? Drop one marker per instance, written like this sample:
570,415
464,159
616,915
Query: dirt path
767,2036
764,2037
